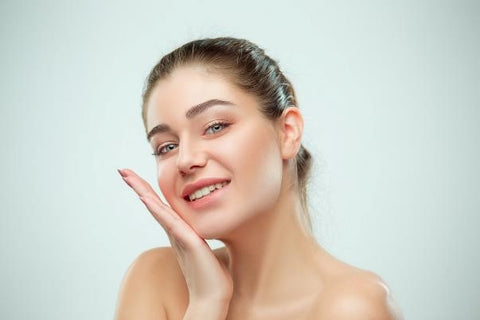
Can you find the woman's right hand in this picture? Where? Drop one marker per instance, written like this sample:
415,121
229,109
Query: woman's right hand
209,283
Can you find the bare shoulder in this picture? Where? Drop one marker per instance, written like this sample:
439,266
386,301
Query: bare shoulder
152,279
357,294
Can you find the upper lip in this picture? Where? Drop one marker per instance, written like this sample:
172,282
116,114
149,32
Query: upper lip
191,187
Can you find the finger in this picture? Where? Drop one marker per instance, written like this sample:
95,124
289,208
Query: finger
159,212
173,224
139,185
175,227
145,191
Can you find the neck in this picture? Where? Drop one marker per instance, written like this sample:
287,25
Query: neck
272,257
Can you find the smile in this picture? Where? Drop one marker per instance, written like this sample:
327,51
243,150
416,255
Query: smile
200,193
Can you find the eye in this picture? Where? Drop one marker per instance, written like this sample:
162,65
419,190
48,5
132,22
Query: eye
216,127
163,150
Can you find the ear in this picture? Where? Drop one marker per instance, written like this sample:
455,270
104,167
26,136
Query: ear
290,132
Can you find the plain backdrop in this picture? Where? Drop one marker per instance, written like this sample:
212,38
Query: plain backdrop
390,93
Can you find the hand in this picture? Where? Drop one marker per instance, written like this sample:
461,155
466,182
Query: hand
208,281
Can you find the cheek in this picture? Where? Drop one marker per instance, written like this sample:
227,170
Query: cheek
264,174
165,180
258,170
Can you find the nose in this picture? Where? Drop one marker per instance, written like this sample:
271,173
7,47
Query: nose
190,158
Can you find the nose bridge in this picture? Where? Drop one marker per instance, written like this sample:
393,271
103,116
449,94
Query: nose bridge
190,155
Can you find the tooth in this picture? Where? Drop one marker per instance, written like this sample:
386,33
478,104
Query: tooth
205,191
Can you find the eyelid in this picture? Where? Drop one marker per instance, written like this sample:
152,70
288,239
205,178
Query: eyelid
224,123
161,146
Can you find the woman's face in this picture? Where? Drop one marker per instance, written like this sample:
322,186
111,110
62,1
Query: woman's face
219,161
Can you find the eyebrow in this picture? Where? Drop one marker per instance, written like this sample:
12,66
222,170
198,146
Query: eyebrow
191,113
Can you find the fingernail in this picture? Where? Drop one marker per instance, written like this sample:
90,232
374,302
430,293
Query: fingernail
121,173
128,183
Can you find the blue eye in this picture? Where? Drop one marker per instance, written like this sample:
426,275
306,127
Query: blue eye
212,129
216,127
165,149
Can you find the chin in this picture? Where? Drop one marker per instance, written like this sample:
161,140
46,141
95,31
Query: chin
222,226
216,228
217,232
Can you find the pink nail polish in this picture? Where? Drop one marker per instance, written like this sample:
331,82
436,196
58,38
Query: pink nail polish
121,172
124,179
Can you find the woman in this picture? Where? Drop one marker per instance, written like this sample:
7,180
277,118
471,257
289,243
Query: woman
226,132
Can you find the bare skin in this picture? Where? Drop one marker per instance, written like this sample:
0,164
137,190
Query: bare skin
270,268
311,284
154,288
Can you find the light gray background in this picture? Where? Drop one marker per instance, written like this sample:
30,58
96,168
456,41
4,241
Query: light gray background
390,91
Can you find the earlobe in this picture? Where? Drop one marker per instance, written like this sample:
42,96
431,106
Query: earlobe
291,131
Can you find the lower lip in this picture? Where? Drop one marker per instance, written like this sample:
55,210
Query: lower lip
208,200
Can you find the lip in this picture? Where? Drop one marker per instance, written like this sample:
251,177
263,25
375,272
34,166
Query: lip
191,187
210,201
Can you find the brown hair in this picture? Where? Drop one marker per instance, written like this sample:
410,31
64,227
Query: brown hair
252,70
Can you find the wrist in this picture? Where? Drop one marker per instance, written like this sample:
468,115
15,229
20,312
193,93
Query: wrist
207,310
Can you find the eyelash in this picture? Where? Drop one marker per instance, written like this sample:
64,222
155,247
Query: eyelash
218,123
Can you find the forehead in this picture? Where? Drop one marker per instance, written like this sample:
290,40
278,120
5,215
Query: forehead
188,86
